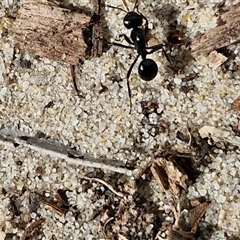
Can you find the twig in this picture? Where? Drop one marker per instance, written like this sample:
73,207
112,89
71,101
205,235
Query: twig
110,187
13,138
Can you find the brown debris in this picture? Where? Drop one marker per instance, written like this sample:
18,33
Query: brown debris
175,37
34,226
216,59
60,206
73,75
97,31
149,107
236,104
221,36
169,175
187,220
51,31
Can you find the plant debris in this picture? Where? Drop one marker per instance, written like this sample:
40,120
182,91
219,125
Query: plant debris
53,31
219,135
169,175
216,59
226,33
111,188
236,104
186,221
32,228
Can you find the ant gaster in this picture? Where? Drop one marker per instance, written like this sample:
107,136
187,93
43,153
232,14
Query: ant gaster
147,68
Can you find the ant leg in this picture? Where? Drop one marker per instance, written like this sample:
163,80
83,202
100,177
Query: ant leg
125,5
167,57
157,47
119,44
127,39
128,85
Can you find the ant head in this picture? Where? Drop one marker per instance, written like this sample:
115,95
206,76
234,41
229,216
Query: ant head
147,69
133,20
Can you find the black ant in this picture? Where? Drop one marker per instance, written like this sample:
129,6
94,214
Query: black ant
147,68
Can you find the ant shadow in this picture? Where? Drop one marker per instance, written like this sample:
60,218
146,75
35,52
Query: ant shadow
176,41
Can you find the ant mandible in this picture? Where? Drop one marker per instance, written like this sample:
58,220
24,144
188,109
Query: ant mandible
147,69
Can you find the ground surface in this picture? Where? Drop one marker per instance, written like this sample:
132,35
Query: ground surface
37,95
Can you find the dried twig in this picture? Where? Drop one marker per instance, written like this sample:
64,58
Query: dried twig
73,75
118,193
14,138
105,225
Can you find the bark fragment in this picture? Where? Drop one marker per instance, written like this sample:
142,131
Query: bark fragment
52,31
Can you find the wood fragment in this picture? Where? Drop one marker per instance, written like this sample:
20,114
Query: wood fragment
52,31
169,175
31,228
96,37
97,31
221,36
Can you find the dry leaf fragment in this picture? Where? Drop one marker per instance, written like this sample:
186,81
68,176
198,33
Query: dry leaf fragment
169,175
219,135
186,221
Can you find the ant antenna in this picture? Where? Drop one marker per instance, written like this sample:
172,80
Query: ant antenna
117,8
135,5
125,5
